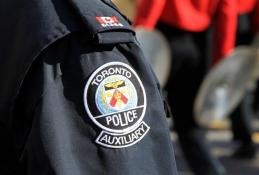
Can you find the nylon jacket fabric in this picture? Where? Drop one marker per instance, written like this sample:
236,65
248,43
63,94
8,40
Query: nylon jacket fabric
49,50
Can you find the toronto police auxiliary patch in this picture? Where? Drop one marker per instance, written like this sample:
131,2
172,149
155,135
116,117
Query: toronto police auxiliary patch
115,100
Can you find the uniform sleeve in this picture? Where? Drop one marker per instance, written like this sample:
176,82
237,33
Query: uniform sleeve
148,13
224,29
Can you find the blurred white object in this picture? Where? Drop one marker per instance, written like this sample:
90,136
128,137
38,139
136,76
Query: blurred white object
225,85
157,51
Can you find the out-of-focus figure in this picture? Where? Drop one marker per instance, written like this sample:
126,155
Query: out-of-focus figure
186,24
248,27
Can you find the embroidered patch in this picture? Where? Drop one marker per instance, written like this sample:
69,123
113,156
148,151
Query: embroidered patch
108,21
115,100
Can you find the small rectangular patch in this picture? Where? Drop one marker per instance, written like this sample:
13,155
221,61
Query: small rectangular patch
109,21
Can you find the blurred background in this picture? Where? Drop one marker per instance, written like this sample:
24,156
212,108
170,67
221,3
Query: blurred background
205,55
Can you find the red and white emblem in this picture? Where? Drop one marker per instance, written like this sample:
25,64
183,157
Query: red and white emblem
115,100
117,94
108,21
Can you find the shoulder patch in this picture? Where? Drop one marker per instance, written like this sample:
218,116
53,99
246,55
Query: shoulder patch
115,100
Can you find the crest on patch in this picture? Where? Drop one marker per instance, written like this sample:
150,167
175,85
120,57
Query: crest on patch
115,100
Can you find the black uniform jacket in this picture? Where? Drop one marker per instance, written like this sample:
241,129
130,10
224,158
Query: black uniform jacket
54,114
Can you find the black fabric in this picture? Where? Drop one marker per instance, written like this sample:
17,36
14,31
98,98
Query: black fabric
61,138
48,51
30,26
241,123
89,11
27,28
190,53
241,120
244,35
189,66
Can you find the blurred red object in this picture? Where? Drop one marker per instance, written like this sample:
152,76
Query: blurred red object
194,16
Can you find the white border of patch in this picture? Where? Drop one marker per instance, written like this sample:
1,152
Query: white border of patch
86,103
116,134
